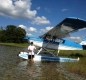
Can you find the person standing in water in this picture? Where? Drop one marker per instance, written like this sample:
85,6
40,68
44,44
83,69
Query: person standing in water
31,49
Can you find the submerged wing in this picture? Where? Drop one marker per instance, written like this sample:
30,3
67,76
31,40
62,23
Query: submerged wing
66,27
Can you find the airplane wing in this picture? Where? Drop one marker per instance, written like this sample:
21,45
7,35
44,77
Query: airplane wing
63,29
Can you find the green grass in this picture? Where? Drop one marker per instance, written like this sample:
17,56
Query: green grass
15,44
76,67
73,53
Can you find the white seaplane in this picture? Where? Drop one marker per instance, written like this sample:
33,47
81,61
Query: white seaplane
54,40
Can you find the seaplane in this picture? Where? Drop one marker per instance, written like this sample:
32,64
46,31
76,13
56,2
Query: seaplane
54,41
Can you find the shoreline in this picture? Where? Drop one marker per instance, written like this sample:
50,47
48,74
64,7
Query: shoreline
15,44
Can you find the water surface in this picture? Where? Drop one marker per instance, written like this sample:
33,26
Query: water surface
14,68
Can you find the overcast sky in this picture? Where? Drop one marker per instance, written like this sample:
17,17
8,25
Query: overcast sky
39,16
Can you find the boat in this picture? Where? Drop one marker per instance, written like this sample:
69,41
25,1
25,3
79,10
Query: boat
38,57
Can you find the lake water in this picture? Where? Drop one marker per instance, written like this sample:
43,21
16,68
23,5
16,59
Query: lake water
14,68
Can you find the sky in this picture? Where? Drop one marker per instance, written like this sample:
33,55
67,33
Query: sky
39,16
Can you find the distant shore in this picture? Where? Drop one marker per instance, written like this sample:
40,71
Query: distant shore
79,53
15,44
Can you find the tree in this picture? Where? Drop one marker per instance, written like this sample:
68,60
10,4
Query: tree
20,34
2,36
13,34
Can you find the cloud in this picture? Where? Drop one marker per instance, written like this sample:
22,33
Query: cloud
32,29
63,10
46,29
18,9
75,39
21,9
83,43
38,8
28,34
29,30
41,21
22,26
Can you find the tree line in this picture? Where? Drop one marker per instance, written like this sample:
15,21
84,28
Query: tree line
12,34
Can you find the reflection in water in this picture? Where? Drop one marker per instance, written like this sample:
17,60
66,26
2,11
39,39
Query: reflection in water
32,69
40,70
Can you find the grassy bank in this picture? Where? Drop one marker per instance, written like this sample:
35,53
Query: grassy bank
77,67
73,53
15,44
